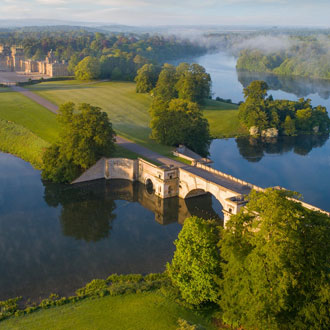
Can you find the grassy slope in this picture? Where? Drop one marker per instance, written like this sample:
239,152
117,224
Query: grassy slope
223,119
19,141
128,110
148,310
17,108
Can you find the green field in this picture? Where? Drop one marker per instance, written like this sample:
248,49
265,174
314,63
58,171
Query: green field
141,311
128,110
223,119
19,141
19,109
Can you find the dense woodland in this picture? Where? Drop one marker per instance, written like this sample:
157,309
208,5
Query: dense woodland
304,56
115,56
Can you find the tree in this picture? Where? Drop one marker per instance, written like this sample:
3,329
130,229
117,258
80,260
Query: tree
289,126
88,69
146,78
276,265
195,268
257,90
86,136
194,84
165,87
180,122
74,60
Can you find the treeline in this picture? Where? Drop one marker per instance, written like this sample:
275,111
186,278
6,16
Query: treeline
288,117
176,116
119,55
306,57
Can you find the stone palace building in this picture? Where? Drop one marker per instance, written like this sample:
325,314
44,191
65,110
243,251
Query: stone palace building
12,59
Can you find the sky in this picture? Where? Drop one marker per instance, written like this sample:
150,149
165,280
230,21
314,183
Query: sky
174,12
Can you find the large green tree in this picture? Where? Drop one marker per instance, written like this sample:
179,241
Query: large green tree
146,78
195,268
180,122
86,136
165,87
87,69
193,84
276,272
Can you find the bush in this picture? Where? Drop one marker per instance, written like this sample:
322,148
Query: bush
114,285
93,288
185,325
195,269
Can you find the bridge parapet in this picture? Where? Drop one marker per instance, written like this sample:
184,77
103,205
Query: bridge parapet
229,177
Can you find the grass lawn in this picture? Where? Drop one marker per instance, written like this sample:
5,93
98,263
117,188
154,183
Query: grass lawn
141,311
19,141
19,109
223,119
128,110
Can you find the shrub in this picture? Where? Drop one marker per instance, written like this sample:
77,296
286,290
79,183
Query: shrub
185,325
195,269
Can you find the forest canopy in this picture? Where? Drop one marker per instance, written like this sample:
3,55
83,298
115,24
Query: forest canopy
304,56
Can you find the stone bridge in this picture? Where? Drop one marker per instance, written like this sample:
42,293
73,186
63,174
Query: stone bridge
184,182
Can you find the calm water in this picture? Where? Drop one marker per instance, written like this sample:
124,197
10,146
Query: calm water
299,163
229,84
56,238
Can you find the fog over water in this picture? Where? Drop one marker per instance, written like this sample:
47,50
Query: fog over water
299,163
228,83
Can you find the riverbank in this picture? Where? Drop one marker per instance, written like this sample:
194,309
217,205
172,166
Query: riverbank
19,141
119,302
128,111
150,310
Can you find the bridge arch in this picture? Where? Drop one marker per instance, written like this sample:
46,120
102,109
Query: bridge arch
150,187
200,191
199,201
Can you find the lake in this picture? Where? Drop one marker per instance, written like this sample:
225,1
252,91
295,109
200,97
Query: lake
56,238
297,163
228,83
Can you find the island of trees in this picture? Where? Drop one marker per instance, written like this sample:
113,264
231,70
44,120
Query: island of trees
265,116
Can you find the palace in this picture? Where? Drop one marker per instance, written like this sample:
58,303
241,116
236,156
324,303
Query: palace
13,59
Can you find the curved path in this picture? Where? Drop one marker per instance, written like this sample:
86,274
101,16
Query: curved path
129,145
208,175
36,98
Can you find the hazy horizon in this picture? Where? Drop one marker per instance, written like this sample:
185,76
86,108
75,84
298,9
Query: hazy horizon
286,13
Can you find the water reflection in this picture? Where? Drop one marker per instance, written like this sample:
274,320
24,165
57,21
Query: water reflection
56,238
86,214
254,149
88,209
301,87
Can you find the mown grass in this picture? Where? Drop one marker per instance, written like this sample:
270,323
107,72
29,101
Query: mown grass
19,109
128,110
19,141
149,310
223,119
